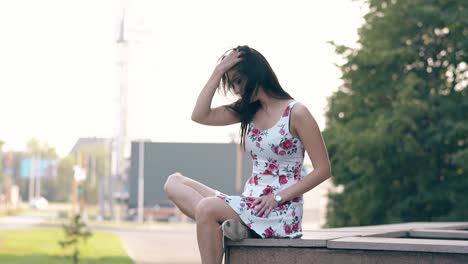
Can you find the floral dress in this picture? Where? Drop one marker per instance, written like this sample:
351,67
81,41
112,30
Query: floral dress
277,158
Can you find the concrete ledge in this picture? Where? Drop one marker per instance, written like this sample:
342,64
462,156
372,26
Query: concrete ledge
404,227
437,233
252,255
400,244
396,243
309,239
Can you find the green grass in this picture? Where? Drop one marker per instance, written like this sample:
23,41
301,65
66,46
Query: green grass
40,246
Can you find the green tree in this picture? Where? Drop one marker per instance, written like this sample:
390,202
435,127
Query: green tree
59,189
41,150
75,232
396,129
97,165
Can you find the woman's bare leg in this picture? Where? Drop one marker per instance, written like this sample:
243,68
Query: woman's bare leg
186,193
197,201
210,213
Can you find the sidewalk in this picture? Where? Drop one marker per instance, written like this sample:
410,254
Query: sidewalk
161,247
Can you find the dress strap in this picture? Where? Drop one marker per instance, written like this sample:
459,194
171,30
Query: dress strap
287,111
288,116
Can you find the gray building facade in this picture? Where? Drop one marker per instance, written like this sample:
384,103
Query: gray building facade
213,164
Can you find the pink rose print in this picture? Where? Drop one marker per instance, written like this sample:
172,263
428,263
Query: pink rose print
253,180
297,173
275,149
293,213
268,172
257,145
273,166
250,199
296,200
287,144
297,170
242,205
295,227
255,132
286,112
282,131
283,179
281,208
282,153
269,232
287,229
259,139
268,190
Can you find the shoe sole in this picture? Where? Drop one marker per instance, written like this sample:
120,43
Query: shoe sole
234,230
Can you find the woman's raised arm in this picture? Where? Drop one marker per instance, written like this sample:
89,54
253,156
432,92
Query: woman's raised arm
222,115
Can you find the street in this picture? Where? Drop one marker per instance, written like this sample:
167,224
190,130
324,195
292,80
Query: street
178,246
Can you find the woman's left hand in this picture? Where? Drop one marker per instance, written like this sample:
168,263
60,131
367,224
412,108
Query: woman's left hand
264,205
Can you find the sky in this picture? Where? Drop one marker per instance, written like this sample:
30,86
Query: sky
59,76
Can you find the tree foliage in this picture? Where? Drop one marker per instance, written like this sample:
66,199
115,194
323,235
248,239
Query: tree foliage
75,232
397,129
96,162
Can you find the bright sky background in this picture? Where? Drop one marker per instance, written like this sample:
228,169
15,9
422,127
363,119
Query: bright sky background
58,73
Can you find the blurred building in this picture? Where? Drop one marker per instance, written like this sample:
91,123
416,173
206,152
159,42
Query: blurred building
213,164
83,143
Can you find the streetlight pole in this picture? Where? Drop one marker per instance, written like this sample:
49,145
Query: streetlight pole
141,180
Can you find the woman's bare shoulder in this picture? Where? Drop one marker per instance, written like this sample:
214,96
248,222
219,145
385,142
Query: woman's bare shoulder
300,111
302,120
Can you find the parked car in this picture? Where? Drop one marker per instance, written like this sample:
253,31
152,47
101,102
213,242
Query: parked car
39,203
160,211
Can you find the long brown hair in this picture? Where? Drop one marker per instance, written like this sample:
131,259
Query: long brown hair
257,72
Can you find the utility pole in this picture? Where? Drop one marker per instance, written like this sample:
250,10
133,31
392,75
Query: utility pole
38,171
32,172
120,145
141,180
74,185
81,197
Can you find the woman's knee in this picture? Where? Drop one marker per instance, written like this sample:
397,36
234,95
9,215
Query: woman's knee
171,182
206,209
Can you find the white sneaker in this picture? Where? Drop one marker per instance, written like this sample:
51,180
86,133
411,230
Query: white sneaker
235,230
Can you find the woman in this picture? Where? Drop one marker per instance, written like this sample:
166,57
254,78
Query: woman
275,131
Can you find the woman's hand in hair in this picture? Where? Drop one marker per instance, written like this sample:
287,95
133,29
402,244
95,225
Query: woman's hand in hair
228,61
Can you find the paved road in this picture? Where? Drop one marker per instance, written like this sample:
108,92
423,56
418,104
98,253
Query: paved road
161,246
23,221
